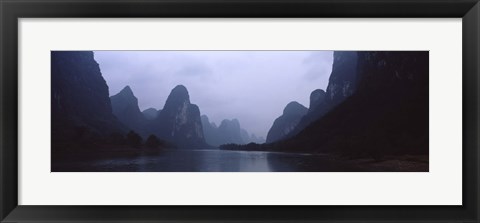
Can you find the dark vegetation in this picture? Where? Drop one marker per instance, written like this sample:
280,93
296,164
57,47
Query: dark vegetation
87,146
154,142
134,140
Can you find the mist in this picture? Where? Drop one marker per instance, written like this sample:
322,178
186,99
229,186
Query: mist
252,86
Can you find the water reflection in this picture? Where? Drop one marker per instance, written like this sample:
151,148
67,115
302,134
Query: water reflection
207,161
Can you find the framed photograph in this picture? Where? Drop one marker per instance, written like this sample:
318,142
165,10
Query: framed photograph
239,111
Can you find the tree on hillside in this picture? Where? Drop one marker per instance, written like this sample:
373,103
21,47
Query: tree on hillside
134,139
153,142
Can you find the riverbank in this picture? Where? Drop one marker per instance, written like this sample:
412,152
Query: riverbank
404,163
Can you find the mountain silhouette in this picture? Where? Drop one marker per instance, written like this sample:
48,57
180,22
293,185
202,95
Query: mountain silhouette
179,121
150,113
125,108
283,125
80,103
386,115
228,132
341,85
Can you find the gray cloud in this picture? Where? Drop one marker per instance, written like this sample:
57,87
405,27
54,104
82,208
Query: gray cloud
252,86
194,70
319,63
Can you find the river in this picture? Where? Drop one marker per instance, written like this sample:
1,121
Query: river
211,161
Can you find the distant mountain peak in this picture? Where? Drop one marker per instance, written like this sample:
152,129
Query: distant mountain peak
177,97
316,97
229,131
150,109
150,113
126,91
125,95
295,108
179,121
180,91
125,108
205,119
234,123
284,124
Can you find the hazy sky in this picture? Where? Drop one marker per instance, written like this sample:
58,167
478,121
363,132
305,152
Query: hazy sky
252,86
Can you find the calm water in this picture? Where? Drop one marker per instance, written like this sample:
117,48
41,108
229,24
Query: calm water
210,161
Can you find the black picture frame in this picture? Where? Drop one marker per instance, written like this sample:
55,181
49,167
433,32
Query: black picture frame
12,10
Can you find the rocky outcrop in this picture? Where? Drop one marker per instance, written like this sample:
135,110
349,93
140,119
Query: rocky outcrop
283,125
179,121
80,100
150,113
343,80
125,108
393,70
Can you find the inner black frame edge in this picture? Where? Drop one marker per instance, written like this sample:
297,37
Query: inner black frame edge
11,11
